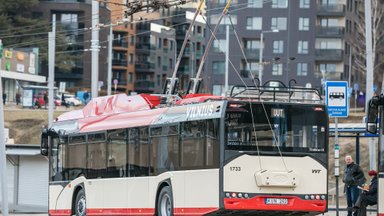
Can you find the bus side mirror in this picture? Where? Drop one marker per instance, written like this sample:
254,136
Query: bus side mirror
44,144
372,116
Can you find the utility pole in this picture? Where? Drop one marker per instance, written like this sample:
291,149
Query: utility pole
369,79
95,49
109,77
51,68
3,155
226,61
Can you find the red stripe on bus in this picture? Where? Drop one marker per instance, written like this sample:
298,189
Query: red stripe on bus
194,211
135,211
381,214
121,211
60,212
258,203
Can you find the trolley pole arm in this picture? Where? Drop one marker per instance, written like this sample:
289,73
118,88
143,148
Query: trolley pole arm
204,57
173,79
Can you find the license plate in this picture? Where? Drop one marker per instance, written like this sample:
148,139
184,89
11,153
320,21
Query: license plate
276,201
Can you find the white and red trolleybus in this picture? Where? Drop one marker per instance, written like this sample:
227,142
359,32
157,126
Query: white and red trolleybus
260,151
375,116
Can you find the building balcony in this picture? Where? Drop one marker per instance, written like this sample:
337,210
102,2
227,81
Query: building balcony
184,68
331,10
119,62
120,43
144,67
144,86
329,55
330,32
329,75
121,82
252,53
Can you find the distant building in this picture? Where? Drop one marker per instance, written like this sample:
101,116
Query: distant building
75,17
17,67
312,44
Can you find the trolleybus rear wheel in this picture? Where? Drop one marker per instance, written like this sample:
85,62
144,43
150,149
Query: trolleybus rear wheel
80,207
165,202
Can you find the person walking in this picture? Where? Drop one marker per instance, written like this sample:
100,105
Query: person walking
18,97
85,97
45,100
353,177
4,97
368,196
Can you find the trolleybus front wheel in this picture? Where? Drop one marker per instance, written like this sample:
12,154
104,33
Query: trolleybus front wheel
80,207
165,202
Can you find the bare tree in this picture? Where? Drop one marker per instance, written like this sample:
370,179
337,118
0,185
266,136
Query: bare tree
358,43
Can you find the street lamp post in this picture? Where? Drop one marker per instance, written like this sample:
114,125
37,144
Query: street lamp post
261,66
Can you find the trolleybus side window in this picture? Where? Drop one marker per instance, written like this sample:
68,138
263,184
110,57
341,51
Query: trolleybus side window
96,156
117,153
193,144
212,148
75,164
165,148
199,144
138,152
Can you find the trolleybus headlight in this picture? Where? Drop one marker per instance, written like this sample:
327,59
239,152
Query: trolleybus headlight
312,197
227,194
306,197
240,195
323,197
234,195
246,195
317,197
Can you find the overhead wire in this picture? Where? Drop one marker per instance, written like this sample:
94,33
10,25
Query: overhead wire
249,99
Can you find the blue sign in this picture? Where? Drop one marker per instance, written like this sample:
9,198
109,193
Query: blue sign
336,94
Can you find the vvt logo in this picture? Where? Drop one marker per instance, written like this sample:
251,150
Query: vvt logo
317,171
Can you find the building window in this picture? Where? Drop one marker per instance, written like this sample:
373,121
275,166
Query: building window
278,46
130,77
130,58
277,69
303,24
254,23
249,68
132,39
219,45
279,23
159,43
327,68
302,47
255,3
279,3
218,67
305,3
252,44
302,69
158,61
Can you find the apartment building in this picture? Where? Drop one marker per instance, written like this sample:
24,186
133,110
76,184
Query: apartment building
301,40
75,18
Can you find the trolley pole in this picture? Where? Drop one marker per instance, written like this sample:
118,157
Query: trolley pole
337,166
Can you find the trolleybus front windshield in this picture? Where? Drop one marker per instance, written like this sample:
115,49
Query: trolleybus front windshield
291,127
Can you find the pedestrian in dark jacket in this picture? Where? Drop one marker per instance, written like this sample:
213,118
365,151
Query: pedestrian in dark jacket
368,196
353,177
4,98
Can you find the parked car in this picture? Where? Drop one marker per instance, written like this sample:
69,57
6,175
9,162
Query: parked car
71,100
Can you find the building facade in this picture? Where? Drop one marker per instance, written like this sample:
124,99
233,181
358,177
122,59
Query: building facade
303,40
74,17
